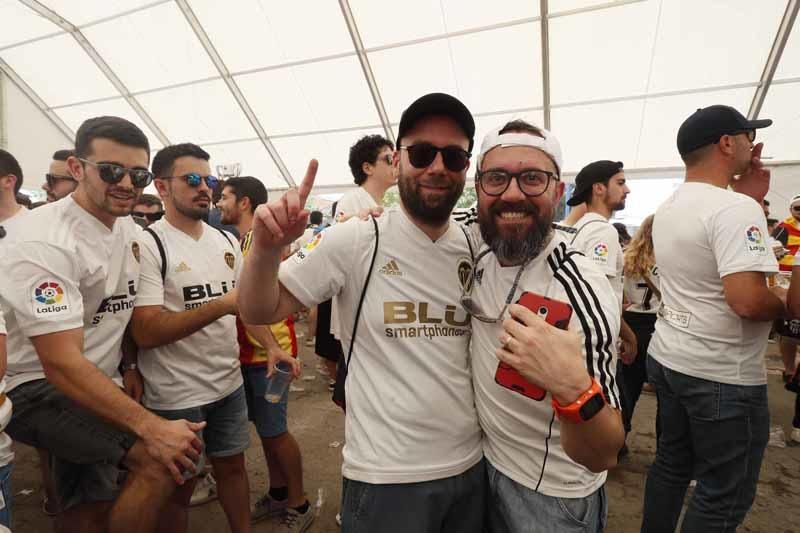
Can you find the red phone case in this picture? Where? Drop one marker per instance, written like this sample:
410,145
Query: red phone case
555,313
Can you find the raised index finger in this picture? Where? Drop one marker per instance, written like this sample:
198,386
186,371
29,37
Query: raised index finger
308,181
755,153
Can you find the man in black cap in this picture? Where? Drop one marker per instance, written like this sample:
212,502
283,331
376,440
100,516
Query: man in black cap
707,354
601,187
413,459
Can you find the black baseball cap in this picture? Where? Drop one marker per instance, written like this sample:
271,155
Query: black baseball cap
597,172
706,125
438,104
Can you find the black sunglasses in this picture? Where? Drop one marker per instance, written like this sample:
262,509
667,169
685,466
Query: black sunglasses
194,179
113,173
422,155
151,217
51,179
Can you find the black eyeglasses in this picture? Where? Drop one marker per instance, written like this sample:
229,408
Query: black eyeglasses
113,173
194,179
532,181
422,155
52,179
151,217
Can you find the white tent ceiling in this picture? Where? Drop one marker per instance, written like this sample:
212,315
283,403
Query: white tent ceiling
270,83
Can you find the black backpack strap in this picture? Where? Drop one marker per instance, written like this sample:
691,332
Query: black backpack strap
469,243
160,251
227,238
363,294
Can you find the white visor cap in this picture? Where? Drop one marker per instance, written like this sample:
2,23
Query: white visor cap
547,144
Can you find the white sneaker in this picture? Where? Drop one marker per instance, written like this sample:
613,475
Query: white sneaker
339,519
267,507
293,522
204,491
794,438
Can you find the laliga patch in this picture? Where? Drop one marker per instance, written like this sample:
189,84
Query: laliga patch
48,299
754,241
304,252
600,253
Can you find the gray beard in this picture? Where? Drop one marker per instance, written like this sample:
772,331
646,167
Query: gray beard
518,250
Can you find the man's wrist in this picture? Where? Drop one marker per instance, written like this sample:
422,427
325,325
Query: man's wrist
573,390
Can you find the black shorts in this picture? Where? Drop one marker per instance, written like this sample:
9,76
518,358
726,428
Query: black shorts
326,345
86,453
788,328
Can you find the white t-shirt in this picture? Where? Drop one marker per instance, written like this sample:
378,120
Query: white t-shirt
68,271
640,296
702,233
350,204
598,240
410,405
6,453
522,437
13,224
203,367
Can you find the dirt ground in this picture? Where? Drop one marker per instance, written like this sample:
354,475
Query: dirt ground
318,426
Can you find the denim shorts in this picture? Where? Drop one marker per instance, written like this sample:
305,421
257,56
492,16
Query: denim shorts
86,452
226,432
514,507
269,418
7,491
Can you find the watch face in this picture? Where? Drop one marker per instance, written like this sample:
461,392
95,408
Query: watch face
592,406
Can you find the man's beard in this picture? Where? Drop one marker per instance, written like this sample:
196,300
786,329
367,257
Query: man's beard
519,243
190,211
228,218
427,208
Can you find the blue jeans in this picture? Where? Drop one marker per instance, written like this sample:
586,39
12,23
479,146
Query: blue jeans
5,487
514,508
269,418
712,432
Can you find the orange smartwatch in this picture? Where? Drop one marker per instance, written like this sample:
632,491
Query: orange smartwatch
584,408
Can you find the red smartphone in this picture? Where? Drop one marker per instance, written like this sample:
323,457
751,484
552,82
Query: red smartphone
555,313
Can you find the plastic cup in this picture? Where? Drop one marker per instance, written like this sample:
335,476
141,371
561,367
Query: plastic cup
278,383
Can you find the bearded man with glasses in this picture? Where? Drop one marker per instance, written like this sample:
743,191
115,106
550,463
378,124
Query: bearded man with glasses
546,457
413,457
185,326
68,292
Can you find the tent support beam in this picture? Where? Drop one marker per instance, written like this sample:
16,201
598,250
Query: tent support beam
233,87
369,76
98,60
785,28
545,38
12,75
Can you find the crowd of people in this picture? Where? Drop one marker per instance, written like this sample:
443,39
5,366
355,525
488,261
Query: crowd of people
488,360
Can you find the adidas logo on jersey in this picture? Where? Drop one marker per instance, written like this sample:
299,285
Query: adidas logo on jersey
391,269
183,267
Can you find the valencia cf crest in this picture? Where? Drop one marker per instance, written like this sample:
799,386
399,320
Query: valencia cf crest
229,259
465,274
135,250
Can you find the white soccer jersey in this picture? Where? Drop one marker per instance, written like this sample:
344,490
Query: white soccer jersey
67,271
597,239
350,205
701,234
410,406
640,296
203,367
522,437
